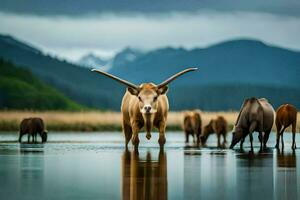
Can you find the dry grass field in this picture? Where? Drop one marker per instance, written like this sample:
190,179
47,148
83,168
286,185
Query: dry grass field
98,121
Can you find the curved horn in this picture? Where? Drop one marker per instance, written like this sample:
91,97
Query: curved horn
116,78
172,78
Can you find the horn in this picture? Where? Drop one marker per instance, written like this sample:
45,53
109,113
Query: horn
116,78
172,78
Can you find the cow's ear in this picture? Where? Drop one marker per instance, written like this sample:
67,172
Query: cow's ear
163,90
133,91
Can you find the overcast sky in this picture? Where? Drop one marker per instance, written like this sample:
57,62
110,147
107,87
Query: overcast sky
71,30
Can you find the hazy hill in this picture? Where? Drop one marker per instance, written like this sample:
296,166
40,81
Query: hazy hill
21,90
92,61
228,73
78,83
233,62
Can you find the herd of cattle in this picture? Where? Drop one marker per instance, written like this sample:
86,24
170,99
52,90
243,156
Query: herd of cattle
256,115
146,106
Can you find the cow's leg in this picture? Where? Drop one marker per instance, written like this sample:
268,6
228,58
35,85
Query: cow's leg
251,141
241,143
135,135
281,135
194,135
266,138
198,134
186,137
278,131
294,135
224,138
251,130
162,137
261,140
219,143
20,138
28,136
198,139
260,137
127,133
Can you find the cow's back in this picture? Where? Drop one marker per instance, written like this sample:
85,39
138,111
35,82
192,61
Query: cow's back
37,125
25,126
286,114
268,111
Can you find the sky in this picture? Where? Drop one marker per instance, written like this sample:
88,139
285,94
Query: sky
71,29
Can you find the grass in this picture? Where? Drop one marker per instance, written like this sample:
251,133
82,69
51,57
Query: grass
99,121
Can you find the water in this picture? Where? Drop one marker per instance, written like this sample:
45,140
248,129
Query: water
96,166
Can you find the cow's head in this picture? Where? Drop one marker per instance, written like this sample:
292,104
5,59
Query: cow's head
237,135
44,136
208,129
147,93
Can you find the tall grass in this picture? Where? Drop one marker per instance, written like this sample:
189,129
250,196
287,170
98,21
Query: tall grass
98,121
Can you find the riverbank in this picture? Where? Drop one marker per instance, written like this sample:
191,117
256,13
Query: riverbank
99,121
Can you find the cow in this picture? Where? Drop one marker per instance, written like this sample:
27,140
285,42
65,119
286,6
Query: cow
32,127
144,106
192,125
286,115
218,126
255,115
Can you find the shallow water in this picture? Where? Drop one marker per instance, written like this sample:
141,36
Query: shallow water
96,166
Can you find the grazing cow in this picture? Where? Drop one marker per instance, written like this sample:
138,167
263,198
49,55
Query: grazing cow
218,126
255,115
144,106
192,125
286,115
32,127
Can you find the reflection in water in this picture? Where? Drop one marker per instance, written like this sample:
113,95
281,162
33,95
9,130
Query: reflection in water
287,160
209,175
144,177
286,176
31,170
102,170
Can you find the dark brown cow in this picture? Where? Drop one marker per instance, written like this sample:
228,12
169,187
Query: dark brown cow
286,115
255,115
192,125
32,127
218,126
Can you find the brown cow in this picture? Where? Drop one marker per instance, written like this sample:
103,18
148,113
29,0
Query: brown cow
144,106
218,126
32,127
286,115
192,125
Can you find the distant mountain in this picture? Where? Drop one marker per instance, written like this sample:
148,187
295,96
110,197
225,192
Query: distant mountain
92,61
21,90
233,62
79,84
228,73
124,57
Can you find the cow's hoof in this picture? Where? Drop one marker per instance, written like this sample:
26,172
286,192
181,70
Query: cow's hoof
135,140
148,136
162,140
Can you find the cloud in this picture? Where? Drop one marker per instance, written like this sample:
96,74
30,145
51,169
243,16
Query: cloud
83,7
110,33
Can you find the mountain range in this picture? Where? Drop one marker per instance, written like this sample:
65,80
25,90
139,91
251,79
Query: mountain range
228,72
92,61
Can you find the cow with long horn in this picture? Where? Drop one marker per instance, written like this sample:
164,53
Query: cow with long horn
144,106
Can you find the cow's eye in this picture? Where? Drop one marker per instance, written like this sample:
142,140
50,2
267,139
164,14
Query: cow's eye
155,98
140,99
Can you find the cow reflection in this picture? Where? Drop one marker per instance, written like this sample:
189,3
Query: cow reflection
144,177
287,160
